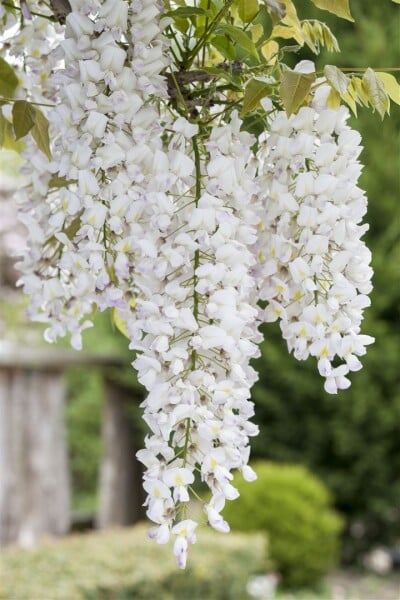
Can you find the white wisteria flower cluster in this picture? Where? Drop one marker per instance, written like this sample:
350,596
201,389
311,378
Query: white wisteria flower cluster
194,234
315,272
196,326
106,135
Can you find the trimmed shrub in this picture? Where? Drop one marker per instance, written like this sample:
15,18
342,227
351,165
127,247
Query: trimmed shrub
294,508
123,564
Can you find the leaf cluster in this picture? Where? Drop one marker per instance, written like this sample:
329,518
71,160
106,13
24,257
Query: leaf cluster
230,54
25,117
258,35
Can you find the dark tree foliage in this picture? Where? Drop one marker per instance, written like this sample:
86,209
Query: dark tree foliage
352,440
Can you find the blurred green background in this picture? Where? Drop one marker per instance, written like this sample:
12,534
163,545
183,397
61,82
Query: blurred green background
351,441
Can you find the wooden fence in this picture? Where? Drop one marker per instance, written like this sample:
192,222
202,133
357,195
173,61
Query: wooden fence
34,474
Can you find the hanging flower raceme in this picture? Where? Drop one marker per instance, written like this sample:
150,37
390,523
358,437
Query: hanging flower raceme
196,326
178,226
314,268
106,134
162,234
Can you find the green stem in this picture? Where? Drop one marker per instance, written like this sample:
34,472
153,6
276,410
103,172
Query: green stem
197,162
48,17
202,41
181,98
3,98
362,69
173,35
203,59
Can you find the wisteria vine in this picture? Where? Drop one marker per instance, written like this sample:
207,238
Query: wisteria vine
158,204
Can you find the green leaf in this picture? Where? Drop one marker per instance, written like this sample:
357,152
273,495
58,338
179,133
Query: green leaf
340,8
248,9
23,115
263,18
59,182
294,89
224,46
40,133
376,92
255,91
396,1
336,79
391,84
8,79
239,37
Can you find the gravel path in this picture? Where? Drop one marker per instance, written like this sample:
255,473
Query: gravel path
355,586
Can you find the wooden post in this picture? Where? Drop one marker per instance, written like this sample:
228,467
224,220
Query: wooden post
34,483
121,495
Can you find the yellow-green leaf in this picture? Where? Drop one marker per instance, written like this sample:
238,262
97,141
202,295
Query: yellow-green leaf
294,89
257,32
391,84
349,99
23,115
277,8
255,91
340,8
333,100
59,182
376,92
8,79
396,1
73,228
290,17
40,133
336,79
331,43
2,128
358,91
7,140
119,323
288,33
319,34
248,9
270,51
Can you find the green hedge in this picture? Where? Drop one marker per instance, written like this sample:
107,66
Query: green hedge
123,565
294,508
